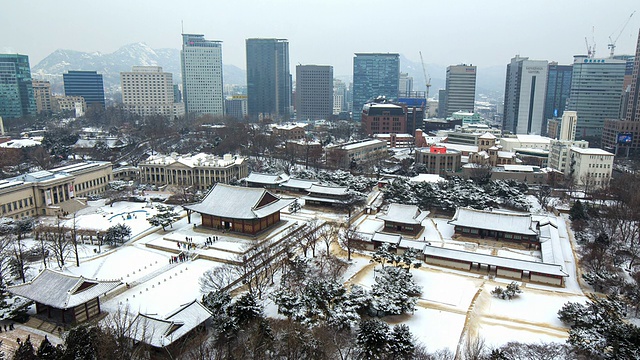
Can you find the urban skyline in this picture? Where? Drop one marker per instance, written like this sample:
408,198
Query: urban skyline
310,37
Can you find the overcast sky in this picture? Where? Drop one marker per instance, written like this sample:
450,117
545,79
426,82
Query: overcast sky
483,33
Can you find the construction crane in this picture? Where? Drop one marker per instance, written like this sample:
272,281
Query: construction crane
427,81
612,42
591,50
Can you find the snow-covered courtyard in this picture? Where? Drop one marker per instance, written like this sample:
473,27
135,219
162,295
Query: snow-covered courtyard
454,307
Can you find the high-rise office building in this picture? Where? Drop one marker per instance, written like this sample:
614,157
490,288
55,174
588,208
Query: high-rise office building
596,90
268,78
16,89
442,103
42,95
314,92
524,96
625,133
236,106
558,89
201,60
87,84
633,104
461,88
374,75
147,90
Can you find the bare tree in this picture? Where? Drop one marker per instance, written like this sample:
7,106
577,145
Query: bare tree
328,234
350,239
58,242
217,279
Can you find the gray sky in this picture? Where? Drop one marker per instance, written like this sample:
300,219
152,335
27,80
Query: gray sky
484,33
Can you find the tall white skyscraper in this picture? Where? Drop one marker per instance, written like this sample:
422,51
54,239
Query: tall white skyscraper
202,89
524,95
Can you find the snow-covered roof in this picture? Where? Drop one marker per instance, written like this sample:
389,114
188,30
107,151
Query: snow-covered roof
290,126
90,143
515,223
20,143
162,331
266,179
591,151
62,291
393,239
239,202
363,144
328,190
488,135
531,266
506,154
430,178
518,168
299,183
405,214
549,240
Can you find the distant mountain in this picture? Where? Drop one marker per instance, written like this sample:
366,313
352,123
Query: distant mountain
111,65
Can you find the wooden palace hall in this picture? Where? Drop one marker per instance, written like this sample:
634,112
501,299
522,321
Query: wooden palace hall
241,209
65,298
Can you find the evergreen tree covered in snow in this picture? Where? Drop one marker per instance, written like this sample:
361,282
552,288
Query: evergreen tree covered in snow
47,351
81,343
117,234
395,292
599,330
402,343
456,192
25,350
373,339
165,216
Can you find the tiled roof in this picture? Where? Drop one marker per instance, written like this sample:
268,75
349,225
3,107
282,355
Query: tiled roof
62,291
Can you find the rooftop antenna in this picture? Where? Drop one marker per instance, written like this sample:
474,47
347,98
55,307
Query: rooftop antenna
182,25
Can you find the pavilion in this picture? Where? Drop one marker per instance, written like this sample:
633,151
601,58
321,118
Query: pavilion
67,298
240,209
404,219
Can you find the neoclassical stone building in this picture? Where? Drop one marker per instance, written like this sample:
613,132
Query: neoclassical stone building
201,170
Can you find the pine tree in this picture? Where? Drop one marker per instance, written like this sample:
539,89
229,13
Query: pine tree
25,351
81,344
245,310
47,351
402,343
373,339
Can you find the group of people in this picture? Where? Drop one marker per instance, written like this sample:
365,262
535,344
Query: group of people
189,245
10,327
211,239
180,258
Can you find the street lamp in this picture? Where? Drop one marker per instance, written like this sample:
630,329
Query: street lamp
99,241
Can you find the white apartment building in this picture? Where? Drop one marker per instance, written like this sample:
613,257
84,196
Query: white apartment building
147,90
590,168
202,89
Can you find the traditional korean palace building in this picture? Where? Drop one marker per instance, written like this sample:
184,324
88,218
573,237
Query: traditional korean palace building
405,219
240,209
515,227
298,185
326,195
267,181
161,332
65,298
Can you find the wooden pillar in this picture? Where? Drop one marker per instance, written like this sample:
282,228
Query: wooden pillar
86,310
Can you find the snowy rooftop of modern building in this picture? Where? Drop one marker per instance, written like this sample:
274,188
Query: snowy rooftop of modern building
591,151
363,144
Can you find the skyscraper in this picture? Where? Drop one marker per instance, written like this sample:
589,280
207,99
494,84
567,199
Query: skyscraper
314,92
147,90
87,84
16,89
202,90
524,96
596,90
461,88
633,105
268,78
374,75
558,89
625,133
